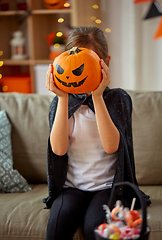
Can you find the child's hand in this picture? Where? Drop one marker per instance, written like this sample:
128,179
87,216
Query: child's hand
50,83
105,80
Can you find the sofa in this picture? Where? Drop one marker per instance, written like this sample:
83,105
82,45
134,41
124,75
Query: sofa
22,211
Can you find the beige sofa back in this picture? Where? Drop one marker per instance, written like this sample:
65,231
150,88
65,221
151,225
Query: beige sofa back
28,115
147,136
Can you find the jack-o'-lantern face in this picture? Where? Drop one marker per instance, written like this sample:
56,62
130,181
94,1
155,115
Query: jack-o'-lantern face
77,71
54,4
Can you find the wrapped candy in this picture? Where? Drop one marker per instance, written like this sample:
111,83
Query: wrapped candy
122,223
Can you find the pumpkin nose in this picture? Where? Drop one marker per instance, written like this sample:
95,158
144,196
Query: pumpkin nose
67,77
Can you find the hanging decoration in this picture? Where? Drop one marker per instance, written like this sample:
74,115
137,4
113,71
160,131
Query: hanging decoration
158,32
141,1
97,20
154,11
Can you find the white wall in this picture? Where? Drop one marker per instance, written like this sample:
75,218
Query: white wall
136,59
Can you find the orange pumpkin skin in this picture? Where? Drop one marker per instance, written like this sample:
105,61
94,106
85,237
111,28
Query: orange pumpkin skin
78,72
54,4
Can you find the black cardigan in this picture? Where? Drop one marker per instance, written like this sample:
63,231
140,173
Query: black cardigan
119,106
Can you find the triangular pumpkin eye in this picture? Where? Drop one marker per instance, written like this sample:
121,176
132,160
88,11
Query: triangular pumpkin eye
59,69
78,71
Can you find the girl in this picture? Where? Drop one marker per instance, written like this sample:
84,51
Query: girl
89,149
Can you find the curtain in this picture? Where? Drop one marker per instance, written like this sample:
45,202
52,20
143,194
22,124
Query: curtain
136,59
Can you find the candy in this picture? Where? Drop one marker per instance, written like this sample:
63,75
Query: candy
106,232
102,226
137,223
129,233
122,223
114,236
135,214
113,229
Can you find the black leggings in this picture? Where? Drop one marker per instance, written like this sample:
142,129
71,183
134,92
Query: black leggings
74,208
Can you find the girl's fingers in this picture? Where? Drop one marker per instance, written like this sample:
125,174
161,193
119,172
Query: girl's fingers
51,68
52,84
105,72
49,79
104,66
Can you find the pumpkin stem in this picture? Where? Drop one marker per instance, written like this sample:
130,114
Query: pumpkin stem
74,50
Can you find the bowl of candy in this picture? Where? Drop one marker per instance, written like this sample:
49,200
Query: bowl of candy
121,222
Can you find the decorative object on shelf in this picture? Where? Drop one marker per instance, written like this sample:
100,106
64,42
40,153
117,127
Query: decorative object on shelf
21,5
17,83
154,11
18,50
55,52
56,42
54,4
77,70
4,5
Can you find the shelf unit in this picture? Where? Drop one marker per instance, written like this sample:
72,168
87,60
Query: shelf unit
35,23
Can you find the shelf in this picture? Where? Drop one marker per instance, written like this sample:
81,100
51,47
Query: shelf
26,62
48,11
17,62
45,61
14,12
38,11
36,23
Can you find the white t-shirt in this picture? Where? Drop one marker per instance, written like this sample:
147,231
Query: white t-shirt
89,166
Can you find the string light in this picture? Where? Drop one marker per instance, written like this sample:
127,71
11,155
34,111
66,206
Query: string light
95,6
108,30
1,53
59,34
60,20
66,5
93,18
5,88
1,63
56,45
98,21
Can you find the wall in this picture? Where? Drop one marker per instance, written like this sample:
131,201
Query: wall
135,57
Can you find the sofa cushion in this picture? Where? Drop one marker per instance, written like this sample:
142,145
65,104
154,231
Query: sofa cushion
147,136
154,216
10,179
28,114
24,217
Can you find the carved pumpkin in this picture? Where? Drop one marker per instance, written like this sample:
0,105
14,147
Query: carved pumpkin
77,70
54,4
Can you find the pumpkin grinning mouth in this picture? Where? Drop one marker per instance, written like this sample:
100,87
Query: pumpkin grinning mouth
74,84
